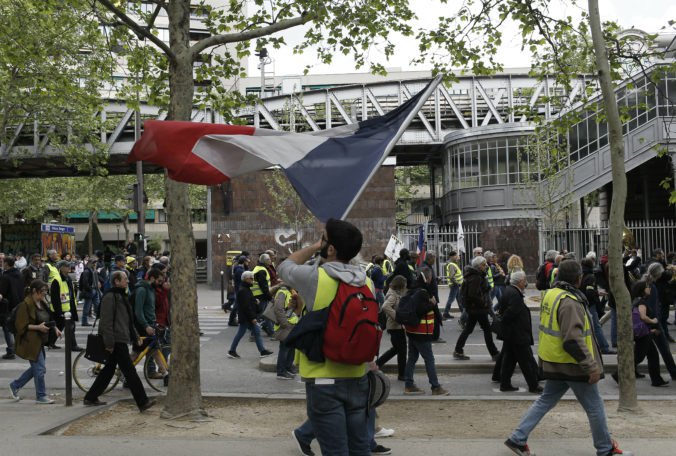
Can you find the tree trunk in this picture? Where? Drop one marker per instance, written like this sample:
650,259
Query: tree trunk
184,396
628,400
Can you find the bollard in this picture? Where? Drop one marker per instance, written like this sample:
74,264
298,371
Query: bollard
68,331
222,288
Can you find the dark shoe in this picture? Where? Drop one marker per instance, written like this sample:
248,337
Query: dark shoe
76,349
55,347
521,450
233,323
495,379
508,389
439,391
660,383
446,316
233,355
266,353
460,356
9,356
640,375
303,447
379,449
89,403
285,376
495,356
537,390
293,370
147,405
413,391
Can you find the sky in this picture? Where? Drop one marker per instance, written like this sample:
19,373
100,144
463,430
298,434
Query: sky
650,16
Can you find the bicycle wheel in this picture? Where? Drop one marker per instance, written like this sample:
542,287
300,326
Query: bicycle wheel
86,371
151,371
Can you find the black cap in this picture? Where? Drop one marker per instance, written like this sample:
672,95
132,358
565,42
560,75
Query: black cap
119,258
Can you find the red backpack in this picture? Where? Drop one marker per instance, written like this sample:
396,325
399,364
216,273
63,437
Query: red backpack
352,334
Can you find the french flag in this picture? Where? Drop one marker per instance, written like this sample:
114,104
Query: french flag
421,248
329,169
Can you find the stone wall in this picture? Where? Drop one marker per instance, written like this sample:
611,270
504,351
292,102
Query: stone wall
239,221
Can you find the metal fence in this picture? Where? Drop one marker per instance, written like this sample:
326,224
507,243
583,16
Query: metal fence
441,240
648,235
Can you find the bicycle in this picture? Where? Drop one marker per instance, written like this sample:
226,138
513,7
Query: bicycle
86,371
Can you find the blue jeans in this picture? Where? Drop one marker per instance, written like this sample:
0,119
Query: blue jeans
37,373
305,434
86,308
244,326
420,348
337,414
589,398
9,338
452,295
598,331
285,357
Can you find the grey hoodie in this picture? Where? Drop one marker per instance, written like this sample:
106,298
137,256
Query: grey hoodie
305,277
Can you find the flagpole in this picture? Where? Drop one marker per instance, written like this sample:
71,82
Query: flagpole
414,112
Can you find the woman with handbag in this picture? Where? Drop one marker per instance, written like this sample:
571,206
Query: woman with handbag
34,328
117,329
645,328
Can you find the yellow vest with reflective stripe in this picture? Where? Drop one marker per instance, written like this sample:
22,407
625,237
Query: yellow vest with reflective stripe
489,276
550,346
454,278
387,266
255,288
53,273
327,287
64,292
293,319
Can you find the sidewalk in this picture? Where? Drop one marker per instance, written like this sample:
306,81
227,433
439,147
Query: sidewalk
23,425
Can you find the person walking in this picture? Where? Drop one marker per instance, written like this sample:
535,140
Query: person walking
63,300
34,321
475,296
569,359
394,329
454,278
88,285
117,329
11,295
420,336
517,335
246,310
287,307
336,392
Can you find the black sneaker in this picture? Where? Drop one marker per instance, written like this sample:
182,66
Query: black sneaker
285,376
304,448
9,356
147,405
521,450
460,356
266,353
233,355
537,390
508,389
379,449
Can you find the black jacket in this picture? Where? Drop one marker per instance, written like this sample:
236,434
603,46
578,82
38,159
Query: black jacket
589,288
29,274
11,289
517,327
475,291
401,268
246,304
86,284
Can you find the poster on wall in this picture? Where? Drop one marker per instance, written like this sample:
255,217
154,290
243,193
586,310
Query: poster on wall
58,237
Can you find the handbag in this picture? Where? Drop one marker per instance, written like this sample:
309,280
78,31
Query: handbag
269,313
96,349
639,327
496,326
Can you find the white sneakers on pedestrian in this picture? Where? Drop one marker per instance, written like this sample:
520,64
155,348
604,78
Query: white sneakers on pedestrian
13,394
383,432
44,400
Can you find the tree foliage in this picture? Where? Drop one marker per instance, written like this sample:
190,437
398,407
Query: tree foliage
284,204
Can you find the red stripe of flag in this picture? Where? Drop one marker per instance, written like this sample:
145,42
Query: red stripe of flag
169,144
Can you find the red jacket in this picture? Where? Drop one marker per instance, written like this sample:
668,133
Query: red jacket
162,307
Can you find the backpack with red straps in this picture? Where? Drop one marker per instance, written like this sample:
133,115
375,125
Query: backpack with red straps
352,333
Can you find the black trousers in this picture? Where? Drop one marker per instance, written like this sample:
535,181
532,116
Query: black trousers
472,320
645,347
512,354
120,356
398,338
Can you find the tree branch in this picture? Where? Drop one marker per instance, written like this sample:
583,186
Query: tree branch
217,40
139,30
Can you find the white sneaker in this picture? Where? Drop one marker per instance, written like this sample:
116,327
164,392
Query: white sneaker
14,395
384,432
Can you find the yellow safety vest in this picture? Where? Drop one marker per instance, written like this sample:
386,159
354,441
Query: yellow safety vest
489,276
454,278
327,287
64,292
387,267
53,273
256,288
293,319
550,346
